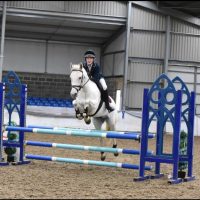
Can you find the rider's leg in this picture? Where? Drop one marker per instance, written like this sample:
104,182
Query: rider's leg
105,94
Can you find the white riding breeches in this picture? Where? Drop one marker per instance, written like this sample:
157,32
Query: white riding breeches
103,83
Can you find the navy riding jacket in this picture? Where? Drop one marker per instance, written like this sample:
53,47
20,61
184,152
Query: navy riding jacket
94,74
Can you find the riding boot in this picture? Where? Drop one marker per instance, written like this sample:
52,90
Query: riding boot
106,100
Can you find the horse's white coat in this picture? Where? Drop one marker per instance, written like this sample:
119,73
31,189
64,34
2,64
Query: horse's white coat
87,96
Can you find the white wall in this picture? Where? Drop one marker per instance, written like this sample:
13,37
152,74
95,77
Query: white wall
30,56
24,56
60,56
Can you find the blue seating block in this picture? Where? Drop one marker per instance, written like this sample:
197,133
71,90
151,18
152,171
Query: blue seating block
38,101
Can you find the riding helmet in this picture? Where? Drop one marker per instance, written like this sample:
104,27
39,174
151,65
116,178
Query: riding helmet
89,53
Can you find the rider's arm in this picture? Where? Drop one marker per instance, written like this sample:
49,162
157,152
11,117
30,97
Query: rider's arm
96,74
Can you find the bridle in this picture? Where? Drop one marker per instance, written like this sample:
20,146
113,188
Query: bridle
79,87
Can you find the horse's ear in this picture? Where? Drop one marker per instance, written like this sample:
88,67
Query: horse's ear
70,64
81,65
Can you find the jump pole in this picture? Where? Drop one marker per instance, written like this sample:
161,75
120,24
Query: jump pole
150,135
85,162
84,148
72,132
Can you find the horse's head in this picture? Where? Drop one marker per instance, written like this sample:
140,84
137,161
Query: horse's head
78,78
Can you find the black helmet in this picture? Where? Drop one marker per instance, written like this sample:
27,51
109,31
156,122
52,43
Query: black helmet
89,53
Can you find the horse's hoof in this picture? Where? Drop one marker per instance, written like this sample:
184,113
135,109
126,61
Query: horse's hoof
103,157
116,154
87,120
115,146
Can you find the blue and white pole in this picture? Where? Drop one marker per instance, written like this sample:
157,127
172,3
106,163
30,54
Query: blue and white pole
73,132
84,148
85,162
150,135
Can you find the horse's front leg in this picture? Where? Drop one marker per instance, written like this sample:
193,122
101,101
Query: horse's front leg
87,118
79,115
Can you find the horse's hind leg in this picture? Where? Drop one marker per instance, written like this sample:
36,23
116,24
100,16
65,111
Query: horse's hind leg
110,126
98,124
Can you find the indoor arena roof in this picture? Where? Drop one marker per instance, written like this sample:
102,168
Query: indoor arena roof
65,27
188,7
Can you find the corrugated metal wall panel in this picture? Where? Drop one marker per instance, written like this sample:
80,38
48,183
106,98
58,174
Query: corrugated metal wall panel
144,44
143,72
187,74
190,86
108,65
198,110
198,98
198,89
106,8
186,77
198,76
141,75
181,68
185,48
183,27
147,44
39,5
146,19
118,64
198,92
135,95
118,44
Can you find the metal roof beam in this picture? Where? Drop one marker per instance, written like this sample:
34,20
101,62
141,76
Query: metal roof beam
109,20
167,11
55,26
53,41
43,34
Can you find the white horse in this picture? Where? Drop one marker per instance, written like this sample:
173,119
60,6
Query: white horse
88,103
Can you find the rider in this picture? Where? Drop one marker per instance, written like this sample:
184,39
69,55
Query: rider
93,70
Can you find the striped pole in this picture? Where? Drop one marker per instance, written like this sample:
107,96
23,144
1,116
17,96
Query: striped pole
85,162
71,132
75,132
85,148
150,135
